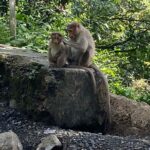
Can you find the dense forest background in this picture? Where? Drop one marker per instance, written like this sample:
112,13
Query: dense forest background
121,29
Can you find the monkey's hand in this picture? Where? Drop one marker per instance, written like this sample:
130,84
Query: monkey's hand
51,65
71,43
66,41
82,46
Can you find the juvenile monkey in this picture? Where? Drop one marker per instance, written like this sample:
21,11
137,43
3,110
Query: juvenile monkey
57,50
82,47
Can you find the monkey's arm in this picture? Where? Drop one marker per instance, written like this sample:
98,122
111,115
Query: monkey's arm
81,46
49,55
50,58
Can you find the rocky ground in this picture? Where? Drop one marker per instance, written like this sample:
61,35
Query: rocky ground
30,133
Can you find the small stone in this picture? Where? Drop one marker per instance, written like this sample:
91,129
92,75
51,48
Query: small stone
49,142
10,141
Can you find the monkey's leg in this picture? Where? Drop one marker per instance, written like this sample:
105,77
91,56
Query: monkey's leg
62,60
52,64
85,59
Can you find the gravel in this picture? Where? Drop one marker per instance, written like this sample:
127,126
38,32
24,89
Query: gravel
30,133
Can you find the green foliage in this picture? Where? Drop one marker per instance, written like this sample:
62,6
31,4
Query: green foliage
121,81
121,30
139,91
4,31
35,22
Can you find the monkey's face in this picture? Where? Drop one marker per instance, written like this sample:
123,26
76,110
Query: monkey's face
73,30
56,38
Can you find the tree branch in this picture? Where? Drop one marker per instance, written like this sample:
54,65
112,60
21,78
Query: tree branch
112,46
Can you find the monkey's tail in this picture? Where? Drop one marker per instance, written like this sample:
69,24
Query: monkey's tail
103,98
90,73
104,101
92,78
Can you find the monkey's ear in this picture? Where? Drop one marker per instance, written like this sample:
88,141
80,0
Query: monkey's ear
53,33
60,35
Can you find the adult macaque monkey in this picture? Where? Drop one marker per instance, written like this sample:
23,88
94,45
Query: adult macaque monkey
82,47
57,50
81,43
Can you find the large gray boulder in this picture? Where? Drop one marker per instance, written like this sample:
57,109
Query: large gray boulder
129,117
63,96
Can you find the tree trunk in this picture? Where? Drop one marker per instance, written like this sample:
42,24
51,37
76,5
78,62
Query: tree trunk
12,18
